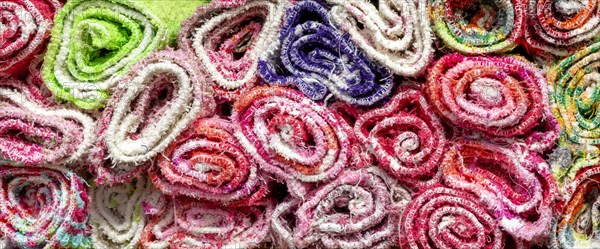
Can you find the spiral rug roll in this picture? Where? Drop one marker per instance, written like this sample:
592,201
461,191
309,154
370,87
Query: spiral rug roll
26,28
188,224
396,34
94,43
575,97
442,217
32,134
478,27
514,182
44,208
578,225
152,105
316,57
118,213
504,98
207,162
406,137
373,200
228,40
291,137
560,27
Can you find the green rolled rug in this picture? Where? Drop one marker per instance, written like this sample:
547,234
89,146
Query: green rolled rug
95,42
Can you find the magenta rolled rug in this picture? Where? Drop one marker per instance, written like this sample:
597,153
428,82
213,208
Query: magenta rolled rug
26,28
503,98
406,137
442,217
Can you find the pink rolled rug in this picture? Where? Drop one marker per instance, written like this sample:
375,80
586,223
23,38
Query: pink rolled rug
26,28
152,105
208,163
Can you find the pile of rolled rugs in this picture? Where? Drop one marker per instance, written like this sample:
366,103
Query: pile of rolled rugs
348,124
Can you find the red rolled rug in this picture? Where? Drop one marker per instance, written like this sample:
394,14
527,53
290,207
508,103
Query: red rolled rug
208,163
406,137
156,101
358,209
291,137
442,217
560,27
187,224
503,98
516,185
32,133
25,30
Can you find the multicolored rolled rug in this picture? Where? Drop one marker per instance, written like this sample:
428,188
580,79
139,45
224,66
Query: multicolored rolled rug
478,27
228,40
33,134
151,106
25,30
44,208
578,224
208,163
560,27
514,183
503,98
94,43
313,55
118,213
290,137
574,96
442,217
358,209
188,224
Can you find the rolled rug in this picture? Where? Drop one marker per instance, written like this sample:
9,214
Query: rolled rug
442,217
208,163
575,96
26,27
156,101
118,213
319,59
478,27
31,134
291,137
359,209
578,225
187,224
228,39
406,137
396,34
35,86
94,43
561,27
515,184
503,98
44,208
